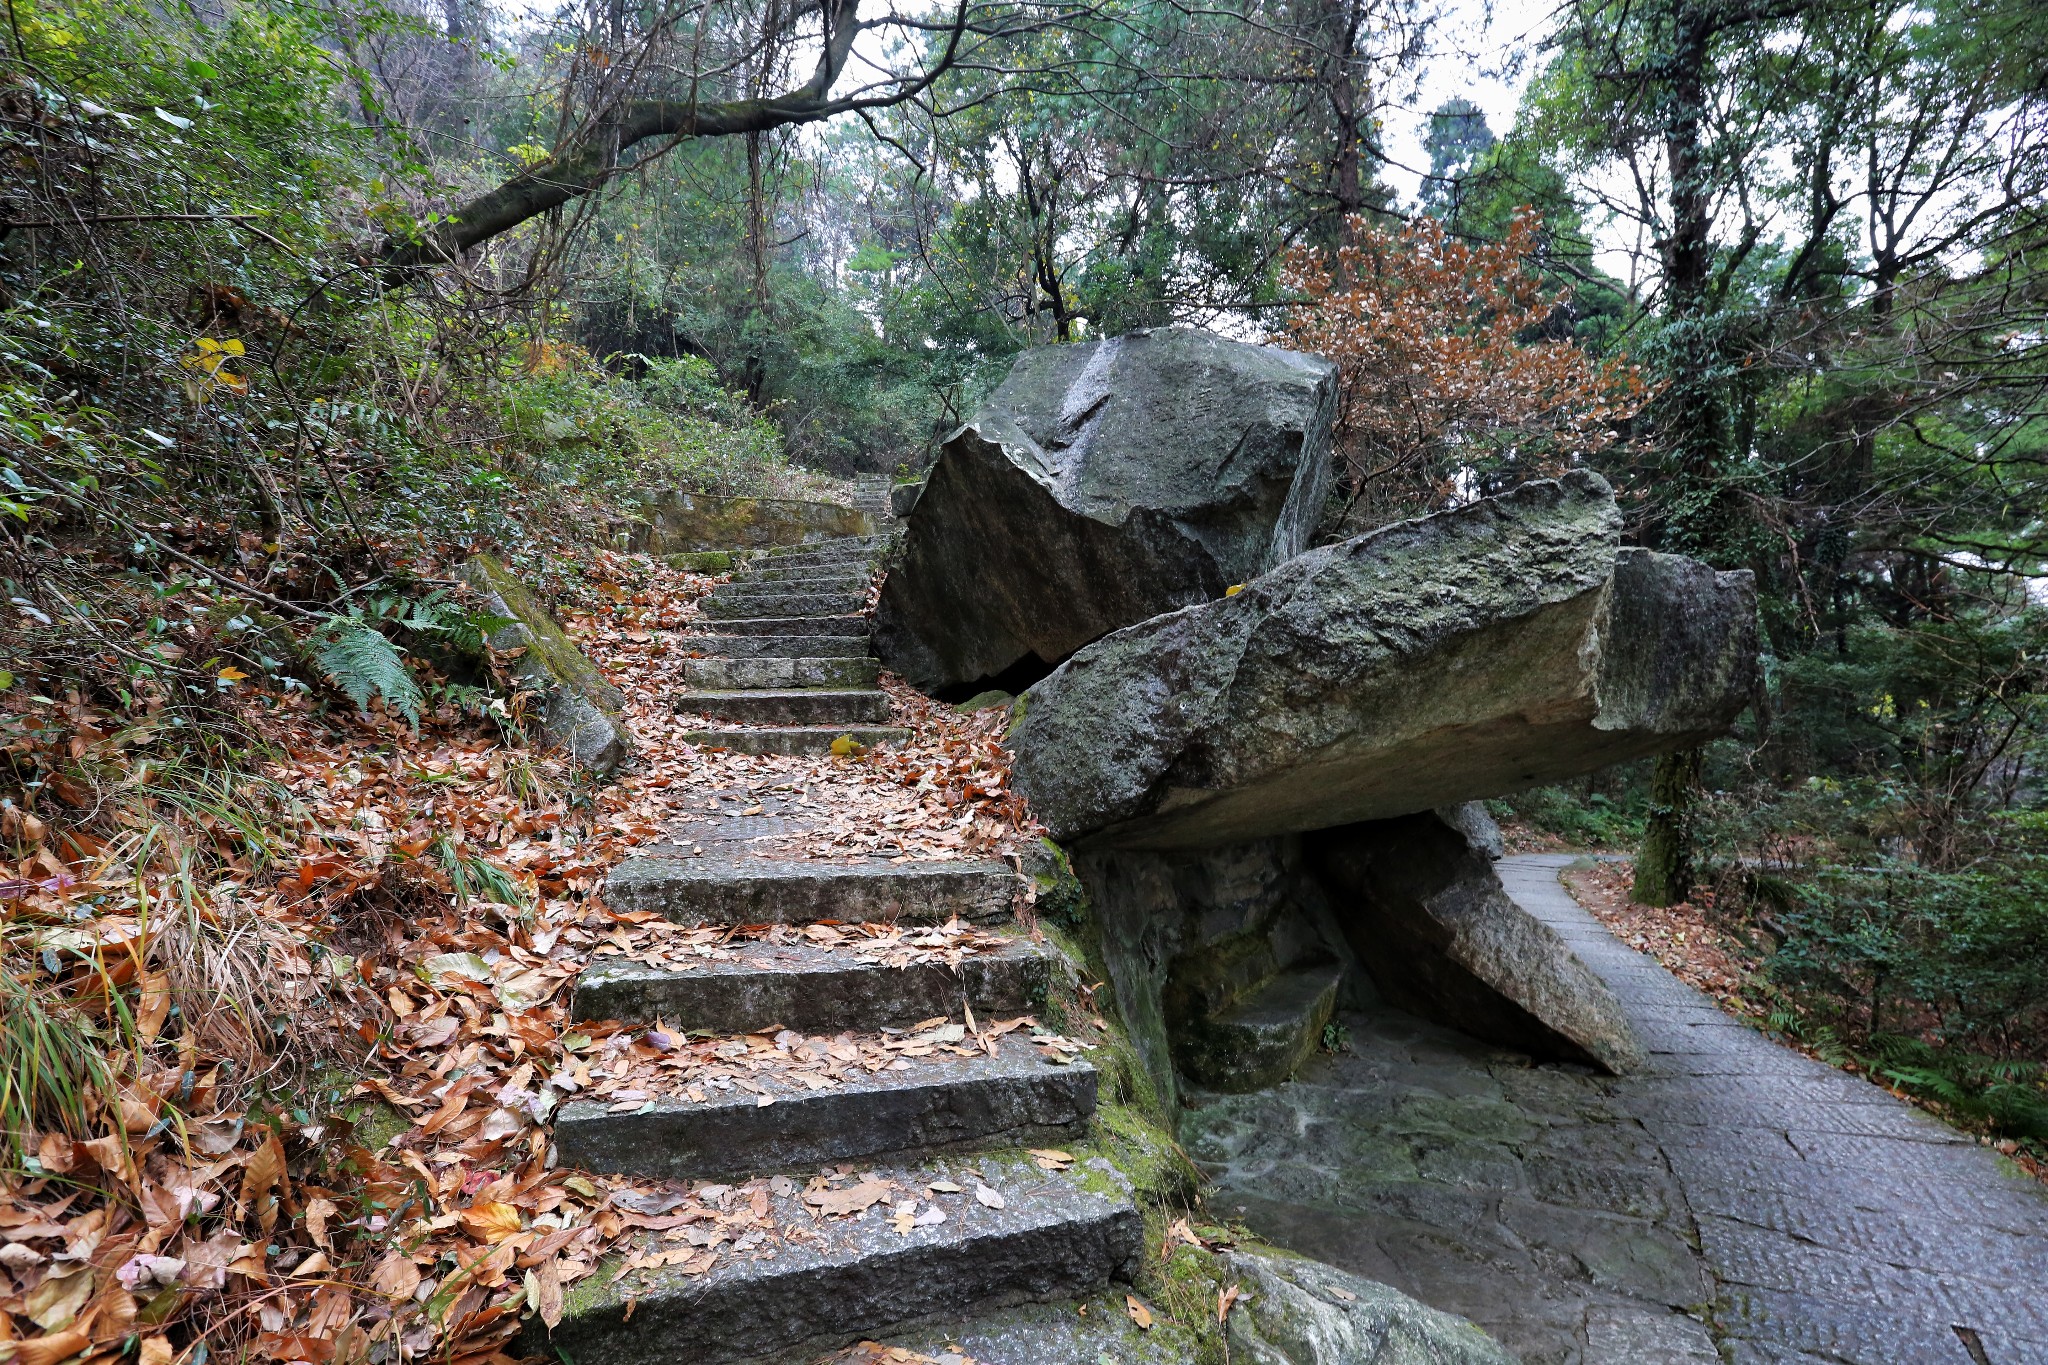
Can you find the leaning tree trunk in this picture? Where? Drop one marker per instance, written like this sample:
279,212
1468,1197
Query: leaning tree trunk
1664,863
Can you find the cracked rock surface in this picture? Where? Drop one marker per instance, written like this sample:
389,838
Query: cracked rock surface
1509,642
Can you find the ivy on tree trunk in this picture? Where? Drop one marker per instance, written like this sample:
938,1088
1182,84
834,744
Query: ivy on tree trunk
1664,863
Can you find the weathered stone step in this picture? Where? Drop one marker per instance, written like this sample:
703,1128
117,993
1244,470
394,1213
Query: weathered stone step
1259,1041
855,1278
783,646
795,706
721,605
835,554
847,626
1012,1098
740,674
794,739
810,577
812,990
760,891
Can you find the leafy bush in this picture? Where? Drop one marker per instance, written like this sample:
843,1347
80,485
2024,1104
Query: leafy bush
1593,820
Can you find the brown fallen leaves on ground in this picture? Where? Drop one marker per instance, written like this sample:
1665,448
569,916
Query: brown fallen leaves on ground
330,1009
631,1067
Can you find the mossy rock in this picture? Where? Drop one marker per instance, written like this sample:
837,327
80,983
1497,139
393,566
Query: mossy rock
580,710
703,561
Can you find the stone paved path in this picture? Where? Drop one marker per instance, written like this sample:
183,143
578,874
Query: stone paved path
1840,1223
1734,1201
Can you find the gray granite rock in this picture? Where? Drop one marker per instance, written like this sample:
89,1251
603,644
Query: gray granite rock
580,711
1478,651
1103,484
1423,909
1300,1312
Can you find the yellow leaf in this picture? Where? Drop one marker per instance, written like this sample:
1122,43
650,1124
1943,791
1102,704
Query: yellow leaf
233,346
1140,1314
233,675
488,1222
845,745
1233,590
206,344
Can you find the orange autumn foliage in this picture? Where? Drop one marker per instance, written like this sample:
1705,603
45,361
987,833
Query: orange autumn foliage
1448,386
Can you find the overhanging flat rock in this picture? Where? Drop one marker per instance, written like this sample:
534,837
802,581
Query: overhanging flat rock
1102,484
1478,651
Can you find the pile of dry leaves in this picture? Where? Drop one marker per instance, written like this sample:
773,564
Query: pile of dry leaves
280,1059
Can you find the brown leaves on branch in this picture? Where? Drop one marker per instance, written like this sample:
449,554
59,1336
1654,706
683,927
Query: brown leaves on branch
1449,378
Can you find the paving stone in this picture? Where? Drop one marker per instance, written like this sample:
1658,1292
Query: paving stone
812,990
1896,1334
781,673
1626,1332
1013,1098
793,739
792,706
763,891
1052,1239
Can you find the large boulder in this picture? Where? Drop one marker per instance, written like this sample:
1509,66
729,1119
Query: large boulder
1420,904
1103,484
1502,644
580,711
1293,1311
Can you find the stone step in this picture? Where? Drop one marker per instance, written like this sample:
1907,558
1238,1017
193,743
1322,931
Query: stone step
1260,1041
760,891
782,646
846,626
811,989
834,556
1013,1098
852,1278
810,578
794,706
793,739
724,606
777,674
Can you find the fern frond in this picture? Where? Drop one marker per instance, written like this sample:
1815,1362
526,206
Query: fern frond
363,664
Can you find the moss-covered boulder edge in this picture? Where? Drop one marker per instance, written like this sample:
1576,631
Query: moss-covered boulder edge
580,711
1287,1309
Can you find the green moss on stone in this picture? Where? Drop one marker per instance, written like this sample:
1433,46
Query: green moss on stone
702,561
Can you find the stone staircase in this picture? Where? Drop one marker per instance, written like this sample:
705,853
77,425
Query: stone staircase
783,646
867,1123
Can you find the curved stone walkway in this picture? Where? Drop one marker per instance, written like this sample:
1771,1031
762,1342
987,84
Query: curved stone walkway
1734,1201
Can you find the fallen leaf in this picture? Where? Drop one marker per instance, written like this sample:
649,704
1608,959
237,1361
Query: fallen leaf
547,1291
984,1195
52,1304
489,1222
1226,1299
313,1266
395,1277
1140,1314
1051,1158
853,1199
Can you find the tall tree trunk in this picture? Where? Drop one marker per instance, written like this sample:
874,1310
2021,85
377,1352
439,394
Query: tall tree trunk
1664,866
1696,413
